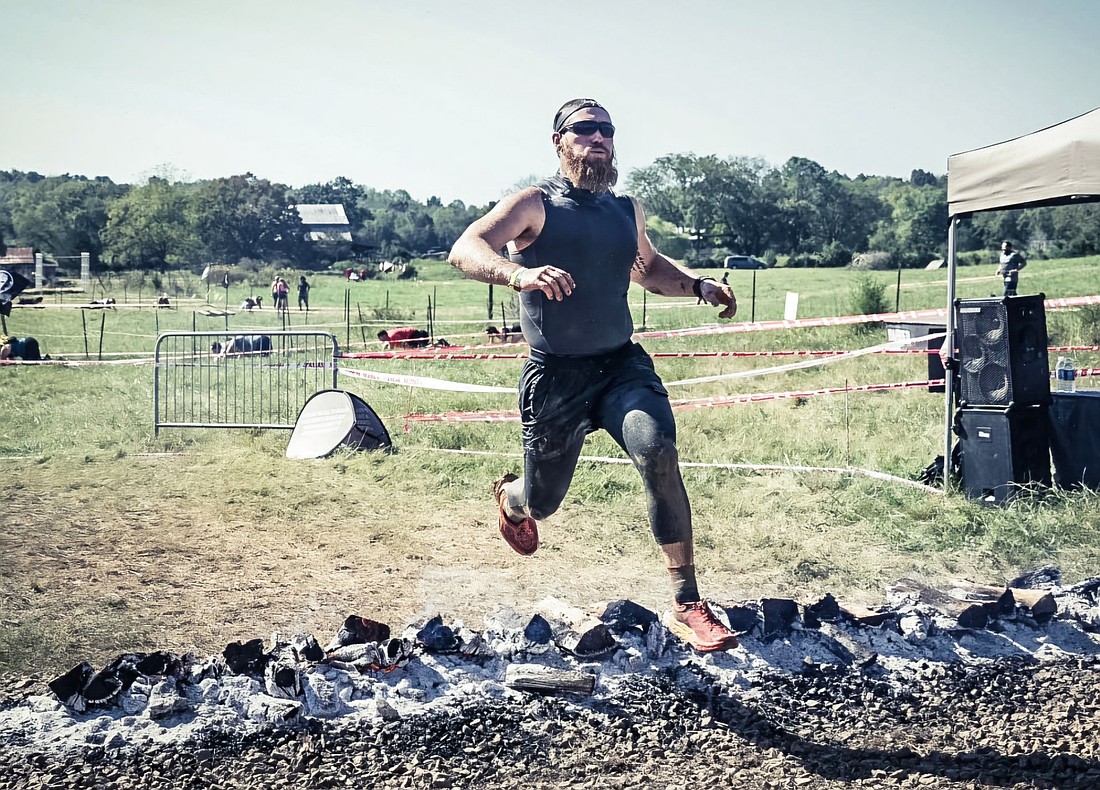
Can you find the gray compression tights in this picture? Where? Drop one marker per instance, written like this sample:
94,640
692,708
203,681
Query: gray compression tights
642,424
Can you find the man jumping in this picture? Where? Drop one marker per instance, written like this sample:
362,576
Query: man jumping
574,249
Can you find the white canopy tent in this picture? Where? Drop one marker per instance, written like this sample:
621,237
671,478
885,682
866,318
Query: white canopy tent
1059,165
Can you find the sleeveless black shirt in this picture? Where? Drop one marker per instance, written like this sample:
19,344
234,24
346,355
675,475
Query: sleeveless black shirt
595,239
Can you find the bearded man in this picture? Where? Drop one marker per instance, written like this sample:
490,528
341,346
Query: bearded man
574,248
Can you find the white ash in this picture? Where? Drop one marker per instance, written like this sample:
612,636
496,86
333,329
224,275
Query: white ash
207,699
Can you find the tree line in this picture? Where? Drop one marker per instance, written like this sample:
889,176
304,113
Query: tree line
163,224
699,208
708,207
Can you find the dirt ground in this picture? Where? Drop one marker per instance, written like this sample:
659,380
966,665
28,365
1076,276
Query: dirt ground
81,583
179,552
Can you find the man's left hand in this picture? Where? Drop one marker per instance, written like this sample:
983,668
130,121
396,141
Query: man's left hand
716,294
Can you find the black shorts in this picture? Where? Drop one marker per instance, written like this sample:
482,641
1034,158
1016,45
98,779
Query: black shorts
563,399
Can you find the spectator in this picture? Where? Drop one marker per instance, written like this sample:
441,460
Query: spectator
303,293
280,291
24,348
1009,267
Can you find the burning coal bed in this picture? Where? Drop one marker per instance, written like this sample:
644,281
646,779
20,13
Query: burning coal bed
966,688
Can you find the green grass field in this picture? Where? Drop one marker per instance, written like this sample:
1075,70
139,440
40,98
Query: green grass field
461,306
87,480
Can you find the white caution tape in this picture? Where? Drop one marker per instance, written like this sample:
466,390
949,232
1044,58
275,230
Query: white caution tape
851,470
424,382
809,363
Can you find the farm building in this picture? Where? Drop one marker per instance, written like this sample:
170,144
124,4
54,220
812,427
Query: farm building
325,221
21,261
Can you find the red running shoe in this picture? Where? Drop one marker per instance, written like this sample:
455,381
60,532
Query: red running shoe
698,625
522,535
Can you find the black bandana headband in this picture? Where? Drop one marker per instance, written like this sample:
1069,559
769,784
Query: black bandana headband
571,107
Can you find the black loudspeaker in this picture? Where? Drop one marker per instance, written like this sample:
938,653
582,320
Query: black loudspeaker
1075,439
1002,451
1002,346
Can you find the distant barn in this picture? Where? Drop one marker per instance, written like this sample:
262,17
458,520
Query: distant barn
324,221
21,261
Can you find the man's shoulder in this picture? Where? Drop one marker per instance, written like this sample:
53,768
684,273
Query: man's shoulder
526,195
633,201
526,202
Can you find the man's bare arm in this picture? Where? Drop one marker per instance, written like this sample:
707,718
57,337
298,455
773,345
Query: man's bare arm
517,220
660,275
476,254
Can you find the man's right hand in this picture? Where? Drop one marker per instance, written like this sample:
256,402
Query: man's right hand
554,282
715,294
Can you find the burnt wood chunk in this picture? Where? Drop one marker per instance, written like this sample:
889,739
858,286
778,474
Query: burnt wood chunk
1039,603
535,677
861,615
825,610
970,605
779,614
576,631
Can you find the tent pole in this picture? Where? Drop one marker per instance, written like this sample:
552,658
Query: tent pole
949,344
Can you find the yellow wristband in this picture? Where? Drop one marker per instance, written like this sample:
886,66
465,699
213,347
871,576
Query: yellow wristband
513,279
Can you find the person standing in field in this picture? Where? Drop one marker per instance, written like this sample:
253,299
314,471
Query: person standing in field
303,293
280,292
1009,267
574,248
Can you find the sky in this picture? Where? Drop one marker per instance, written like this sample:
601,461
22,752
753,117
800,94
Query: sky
456,99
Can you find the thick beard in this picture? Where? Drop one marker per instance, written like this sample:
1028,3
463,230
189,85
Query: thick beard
597,176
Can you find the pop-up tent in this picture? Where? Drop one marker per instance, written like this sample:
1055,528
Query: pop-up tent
1059,165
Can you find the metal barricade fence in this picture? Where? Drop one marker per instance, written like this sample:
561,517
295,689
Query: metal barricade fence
234,380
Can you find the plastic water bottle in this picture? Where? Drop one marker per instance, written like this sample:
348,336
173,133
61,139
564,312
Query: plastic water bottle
1065,375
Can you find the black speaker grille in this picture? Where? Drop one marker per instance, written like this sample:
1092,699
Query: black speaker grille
1003,352
1003,451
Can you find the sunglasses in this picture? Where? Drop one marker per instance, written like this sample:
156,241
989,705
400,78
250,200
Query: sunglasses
586,128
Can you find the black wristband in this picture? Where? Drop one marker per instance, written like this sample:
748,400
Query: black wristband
697,286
